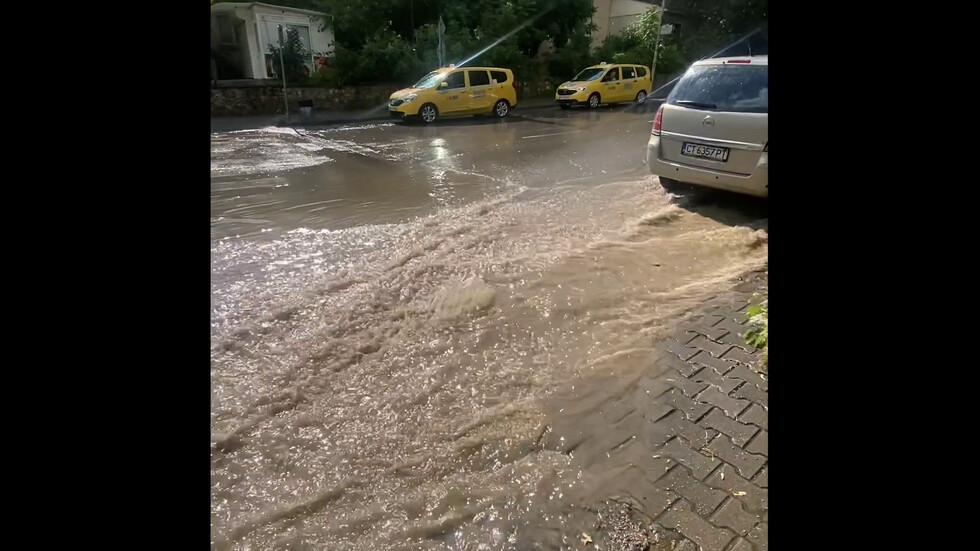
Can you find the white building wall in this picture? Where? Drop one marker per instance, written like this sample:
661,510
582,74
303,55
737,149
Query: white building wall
613,16
260,30
267,19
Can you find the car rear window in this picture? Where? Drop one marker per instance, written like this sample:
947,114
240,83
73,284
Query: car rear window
499,76
479,78
641,72
735,88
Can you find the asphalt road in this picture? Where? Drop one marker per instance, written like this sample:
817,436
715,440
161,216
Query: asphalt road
274,179
393,307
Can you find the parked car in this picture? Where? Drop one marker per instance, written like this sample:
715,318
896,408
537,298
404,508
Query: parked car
713,130
605,83
451,91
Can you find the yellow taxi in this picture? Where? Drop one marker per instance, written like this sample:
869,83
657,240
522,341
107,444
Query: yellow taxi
451,91
605,83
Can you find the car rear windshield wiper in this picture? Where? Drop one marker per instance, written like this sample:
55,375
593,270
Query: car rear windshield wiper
696,104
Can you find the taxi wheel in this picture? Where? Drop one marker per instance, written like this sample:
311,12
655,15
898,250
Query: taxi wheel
594,100
641,96
501,108
428,113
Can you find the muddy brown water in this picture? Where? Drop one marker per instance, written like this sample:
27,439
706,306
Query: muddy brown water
394,309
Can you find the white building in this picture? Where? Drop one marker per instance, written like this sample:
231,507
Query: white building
612,16
241,34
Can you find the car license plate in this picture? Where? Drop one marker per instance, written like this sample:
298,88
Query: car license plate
705,151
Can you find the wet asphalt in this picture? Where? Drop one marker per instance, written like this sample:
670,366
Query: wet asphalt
266,181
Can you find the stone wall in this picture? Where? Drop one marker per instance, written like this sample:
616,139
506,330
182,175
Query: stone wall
267,99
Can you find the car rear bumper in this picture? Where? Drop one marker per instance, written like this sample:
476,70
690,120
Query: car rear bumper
756,184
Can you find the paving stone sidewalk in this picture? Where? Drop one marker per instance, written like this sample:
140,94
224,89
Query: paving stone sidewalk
697,470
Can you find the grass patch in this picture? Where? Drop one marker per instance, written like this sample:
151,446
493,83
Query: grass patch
758,334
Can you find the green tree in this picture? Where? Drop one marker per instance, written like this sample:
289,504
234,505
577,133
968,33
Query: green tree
490,32
717,23
636,45
395,40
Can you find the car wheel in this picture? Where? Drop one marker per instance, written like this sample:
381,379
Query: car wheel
564,105
594,100
671,185
641,96
501,108
428,113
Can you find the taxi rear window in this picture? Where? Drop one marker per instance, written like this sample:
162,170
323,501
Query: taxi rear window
499,76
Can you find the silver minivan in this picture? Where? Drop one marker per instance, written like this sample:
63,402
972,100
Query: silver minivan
713,130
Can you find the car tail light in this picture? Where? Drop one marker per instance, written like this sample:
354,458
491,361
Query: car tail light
658,121
766,148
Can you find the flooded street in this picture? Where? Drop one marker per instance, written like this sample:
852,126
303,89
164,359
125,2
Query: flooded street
393,307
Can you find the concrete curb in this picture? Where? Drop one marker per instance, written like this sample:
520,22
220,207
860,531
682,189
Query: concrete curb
231,124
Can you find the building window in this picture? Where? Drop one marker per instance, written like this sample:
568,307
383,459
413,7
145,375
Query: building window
226,30
271,38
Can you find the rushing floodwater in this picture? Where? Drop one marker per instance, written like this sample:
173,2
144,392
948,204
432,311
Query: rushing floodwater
379,366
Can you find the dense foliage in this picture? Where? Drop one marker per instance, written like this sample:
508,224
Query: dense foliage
396,40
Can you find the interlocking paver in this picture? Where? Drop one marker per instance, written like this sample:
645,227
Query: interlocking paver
715,349
734,328
751,392
646,405
675,347
696,435
756,415
614,412
710,538
699,464
719,365
754,498
709,376
689,387
739,354
741,545
689,440
708,320
642,485
671,361
739,433
759,536
759,444
693,410
747,374
731,406
704,498
737,339
713,333
731,515
653,387
747,463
